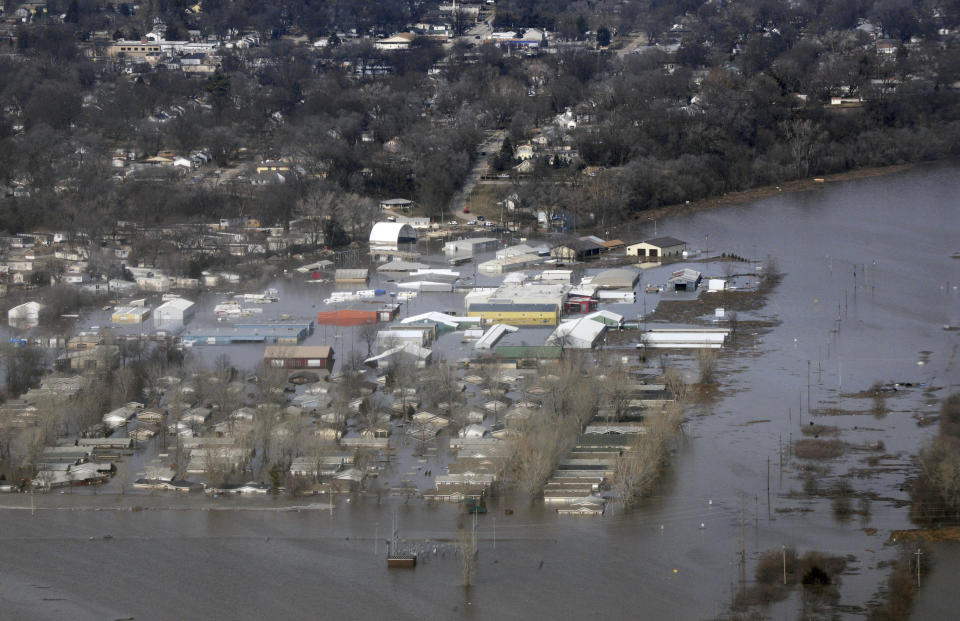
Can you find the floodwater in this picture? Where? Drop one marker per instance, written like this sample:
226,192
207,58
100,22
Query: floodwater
676,555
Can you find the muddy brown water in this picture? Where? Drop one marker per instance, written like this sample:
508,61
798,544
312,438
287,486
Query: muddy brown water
183,559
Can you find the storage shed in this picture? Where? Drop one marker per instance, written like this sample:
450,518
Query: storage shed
27,314
173,314
360,275
575,250
685,280
516,314
582,333
617,278
471,245
392,234
299,356
657,248
130,314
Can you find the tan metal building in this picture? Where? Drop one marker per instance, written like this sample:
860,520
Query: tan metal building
657,248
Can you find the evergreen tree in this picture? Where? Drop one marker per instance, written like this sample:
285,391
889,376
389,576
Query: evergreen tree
603,36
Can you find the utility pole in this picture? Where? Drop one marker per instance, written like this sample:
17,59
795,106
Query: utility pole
918,553
784,549
780,450
743,551
768,486
808,387
474,544
819,362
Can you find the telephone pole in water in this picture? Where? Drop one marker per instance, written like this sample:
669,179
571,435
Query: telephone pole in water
918,553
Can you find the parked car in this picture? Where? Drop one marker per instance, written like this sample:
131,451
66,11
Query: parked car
472,223
481,218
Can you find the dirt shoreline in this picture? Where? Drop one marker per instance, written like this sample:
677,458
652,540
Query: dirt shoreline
745,196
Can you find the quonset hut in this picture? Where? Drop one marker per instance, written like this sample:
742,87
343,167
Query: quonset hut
390,235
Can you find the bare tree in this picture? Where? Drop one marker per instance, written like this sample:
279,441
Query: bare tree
707,365
402,378
538,446
638,468
467,554
271,381
674,382
616,392
733,322
368,334
440,385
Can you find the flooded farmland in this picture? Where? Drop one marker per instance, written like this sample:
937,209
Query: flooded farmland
869,286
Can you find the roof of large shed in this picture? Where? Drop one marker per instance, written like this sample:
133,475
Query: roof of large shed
391,232
176,303
617,277
665,242
515,308
297,351
685,274
359,272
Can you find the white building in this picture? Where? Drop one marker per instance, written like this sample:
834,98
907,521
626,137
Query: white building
400,41
27,313
657,248
582,333
471,245
173,314
389,235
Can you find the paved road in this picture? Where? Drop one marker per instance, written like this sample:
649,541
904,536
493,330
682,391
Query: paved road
490,145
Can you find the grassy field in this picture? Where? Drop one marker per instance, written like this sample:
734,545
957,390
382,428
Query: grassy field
484,198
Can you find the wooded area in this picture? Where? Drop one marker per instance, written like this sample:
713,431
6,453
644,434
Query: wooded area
723,97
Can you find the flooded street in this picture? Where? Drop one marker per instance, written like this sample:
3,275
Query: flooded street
869,285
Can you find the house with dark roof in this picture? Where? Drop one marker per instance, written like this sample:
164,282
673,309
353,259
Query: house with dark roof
576,250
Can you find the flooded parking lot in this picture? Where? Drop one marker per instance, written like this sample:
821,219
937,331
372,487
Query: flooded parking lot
868,287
